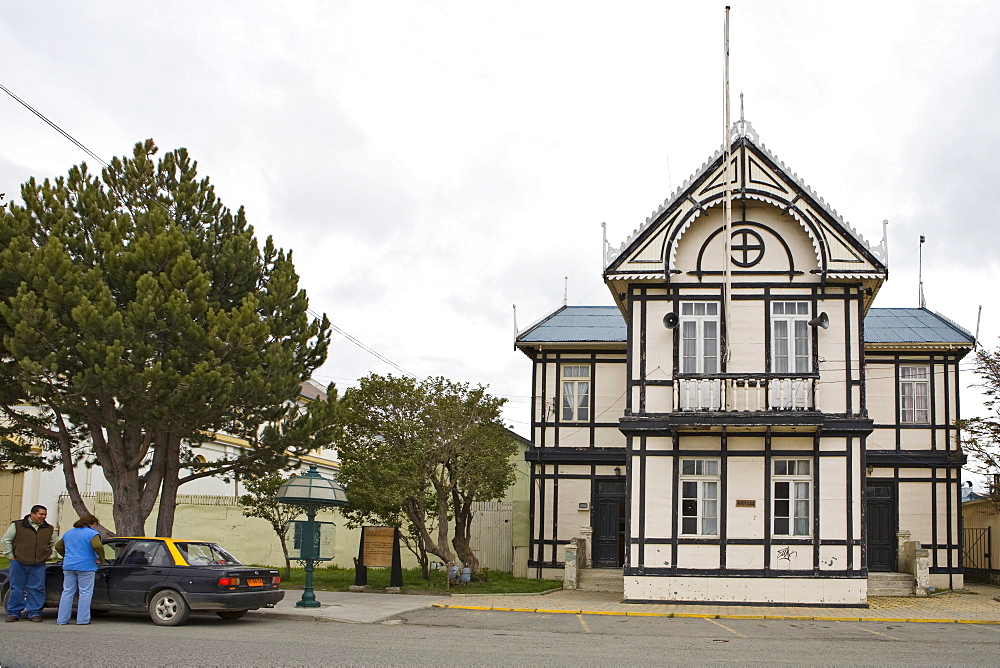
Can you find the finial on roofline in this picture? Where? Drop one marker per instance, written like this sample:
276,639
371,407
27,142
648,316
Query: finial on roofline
742,127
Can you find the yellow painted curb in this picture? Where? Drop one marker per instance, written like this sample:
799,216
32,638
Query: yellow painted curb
463,607
689,615
649,614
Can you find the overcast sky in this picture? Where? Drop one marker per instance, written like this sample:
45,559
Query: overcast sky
433,163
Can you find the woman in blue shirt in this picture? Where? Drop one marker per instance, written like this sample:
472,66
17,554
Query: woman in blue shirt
83,550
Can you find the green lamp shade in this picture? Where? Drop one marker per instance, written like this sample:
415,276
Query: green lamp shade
311,488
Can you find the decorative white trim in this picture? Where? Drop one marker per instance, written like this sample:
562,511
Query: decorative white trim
763,198
743,129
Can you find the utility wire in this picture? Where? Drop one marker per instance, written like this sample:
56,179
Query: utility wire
359,344
54,126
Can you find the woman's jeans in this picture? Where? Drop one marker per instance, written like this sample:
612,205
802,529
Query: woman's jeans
73,581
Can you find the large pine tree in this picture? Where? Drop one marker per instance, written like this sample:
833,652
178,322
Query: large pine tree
138,315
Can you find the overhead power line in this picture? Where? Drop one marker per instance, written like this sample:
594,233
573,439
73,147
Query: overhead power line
54,126
374,353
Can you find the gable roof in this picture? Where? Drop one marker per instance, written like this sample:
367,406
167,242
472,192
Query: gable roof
840,250
915,327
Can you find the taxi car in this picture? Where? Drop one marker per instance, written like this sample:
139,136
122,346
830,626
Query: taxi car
169,578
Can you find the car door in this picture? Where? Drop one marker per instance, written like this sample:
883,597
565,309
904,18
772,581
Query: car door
113,549
141,565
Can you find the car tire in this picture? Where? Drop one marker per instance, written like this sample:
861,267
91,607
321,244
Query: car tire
168,608
231,614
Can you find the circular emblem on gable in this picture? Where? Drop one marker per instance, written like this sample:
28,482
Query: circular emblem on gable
747,247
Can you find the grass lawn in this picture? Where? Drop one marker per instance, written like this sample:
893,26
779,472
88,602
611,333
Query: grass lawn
340,579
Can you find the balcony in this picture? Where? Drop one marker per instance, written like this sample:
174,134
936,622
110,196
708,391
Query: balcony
745,393
743,402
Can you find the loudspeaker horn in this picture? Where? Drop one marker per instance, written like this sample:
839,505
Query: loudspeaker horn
822,320
670,320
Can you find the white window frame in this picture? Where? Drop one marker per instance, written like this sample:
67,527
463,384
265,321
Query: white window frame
699,485
795,359
914,394
574,385
791,497
695,319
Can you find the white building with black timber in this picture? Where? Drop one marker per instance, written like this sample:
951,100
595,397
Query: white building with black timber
760,448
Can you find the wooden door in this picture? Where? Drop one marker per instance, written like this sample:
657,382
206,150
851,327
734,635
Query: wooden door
881,518
609,524
11,486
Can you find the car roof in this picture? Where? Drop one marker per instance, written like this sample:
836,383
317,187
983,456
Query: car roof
164,539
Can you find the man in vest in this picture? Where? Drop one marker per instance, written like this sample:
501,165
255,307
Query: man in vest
28,544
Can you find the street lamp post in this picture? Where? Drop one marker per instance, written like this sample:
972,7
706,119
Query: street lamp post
313,492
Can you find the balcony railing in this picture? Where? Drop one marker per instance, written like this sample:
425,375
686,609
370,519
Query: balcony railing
745,392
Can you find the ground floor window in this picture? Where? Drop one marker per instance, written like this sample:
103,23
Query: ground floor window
699,482
792,511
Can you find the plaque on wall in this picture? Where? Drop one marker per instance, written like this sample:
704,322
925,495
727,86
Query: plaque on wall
746,503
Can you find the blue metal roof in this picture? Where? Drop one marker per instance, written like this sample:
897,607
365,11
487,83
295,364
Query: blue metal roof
882,325
602,324
912,325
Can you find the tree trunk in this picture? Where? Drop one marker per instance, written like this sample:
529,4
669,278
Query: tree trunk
169,486
284,550
463,526
414,510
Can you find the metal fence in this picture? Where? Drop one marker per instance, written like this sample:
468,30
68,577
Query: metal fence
976,557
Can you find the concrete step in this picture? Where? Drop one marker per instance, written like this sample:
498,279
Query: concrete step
602,579
891,584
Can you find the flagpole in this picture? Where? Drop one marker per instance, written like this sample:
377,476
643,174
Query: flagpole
728,206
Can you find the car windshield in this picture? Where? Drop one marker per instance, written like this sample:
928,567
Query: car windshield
206,554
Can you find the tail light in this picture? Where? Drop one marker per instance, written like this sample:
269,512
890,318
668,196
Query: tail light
228,582
276,579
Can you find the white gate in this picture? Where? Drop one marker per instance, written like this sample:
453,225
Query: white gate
491,537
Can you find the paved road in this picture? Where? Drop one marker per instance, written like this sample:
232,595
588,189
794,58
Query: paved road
450,637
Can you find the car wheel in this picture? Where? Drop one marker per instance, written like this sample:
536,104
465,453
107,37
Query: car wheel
231,614
168,608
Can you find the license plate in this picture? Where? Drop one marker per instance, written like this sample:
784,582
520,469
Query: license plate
255,582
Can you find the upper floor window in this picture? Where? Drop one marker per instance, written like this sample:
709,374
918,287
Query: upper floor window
914,394
792,482
790,351
575,393
699,324
699,481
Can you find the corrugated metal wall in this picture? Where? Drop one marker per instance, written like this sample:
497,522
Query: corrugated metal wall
492,538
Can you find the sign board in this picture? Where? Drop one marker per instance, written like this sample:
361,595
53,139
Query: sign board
302,546
378,546
746,503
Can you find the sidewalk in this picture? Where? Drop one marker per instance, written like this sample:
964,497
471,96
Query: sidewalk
973,605
342,606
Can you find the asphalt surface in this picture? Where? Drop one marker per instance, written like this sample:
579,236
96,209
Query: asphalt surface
976,604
